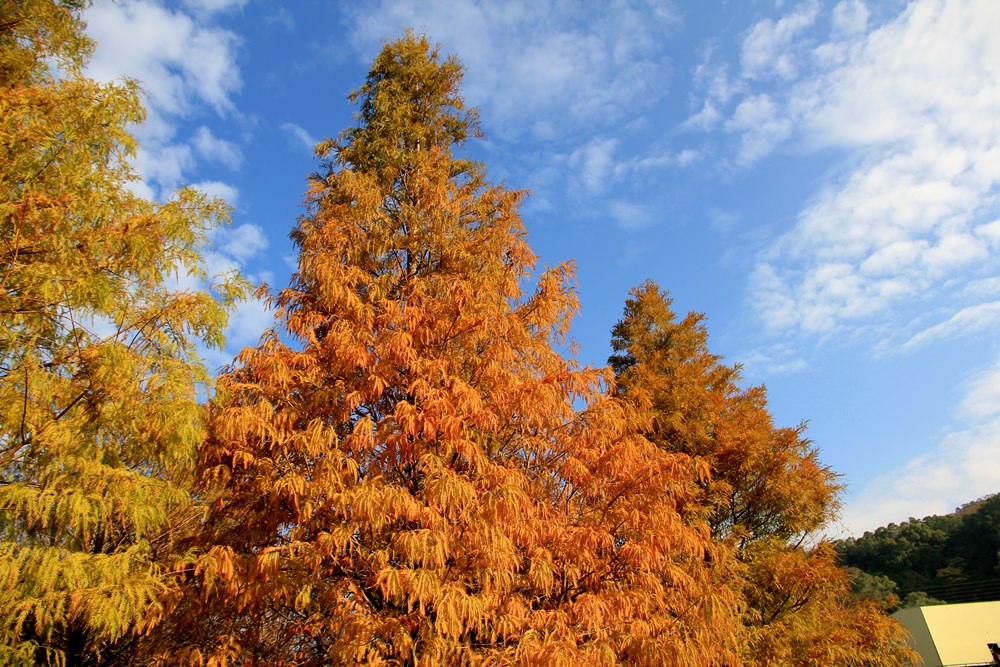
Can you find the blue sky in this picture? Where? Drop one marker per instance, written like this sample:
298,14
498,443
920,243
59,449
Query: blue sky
819,178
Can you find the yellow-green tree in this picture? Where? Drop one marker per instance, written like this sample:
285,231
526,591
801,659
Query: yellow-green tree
766,494
98,367
404,477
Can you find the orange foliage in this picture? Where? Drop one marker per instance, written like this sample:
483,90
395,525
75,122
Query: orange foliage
766,494
765,481
403,476
804,614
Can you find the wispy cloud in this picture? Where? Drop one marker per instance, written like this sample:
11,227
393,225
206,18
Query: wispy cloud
299,136
772,48
914,103
849,18
540,60
219,189
595,164
213,149
629,215
214,6
979,319
761,126
242,242
280,16
774,359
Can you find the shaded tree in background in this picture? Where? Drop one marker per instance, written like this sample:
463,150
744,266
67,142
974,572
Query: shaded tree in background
766,493
98,367
409,480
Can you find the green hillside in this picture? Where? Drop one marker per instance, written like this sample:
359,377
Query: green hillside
937,559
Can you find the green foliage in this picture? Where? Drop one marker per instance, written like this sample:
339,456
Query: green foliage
951,558
98,364
876,588
919,599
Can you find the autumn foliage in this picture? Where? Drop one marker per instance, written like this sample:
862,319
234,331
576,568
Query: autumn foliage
407,477
99,418
765,499
407,469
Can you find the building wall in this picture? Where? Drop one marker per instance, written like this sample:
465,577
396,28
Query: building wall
953,634
920,636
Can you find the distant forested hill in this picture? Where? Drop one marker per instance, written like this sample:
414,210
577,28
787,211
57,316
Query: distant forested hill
951,558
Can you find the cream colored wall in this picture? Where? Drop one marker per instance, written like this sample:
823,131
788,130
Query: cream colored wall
961,631
953,634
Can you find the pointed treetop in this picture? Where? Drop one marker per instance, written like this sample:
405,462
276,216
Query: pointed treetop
410,102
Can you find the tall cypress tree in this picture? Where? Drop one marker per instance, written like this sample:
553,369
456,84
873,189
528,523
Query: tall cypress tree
765,497
405,476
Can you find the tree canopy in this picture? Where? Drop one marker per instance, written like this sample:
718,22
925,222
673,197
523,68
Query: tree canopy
764,498
408,477
99,419
950,558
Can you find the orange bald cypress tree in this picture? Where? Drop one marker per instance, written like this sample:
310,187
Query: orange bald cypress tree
767,493
408,479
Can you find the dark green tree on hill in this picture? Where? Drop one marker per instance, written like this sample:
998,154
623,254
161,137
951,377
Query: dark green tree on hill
950,558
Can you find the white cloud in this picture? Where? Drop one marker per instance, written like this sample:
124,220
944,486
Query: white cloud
282,17
964,465
241,243
164,165
183,66
527,59
712,76
706,119
769,48
773,360
219,189
249,320
983,288
687,157
850,17
178,62
761,125
300,136
990,232
210,147
232,249
973,320
594,164
982,398
723,221
915,102
214,6
629,216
